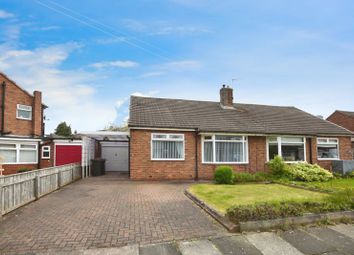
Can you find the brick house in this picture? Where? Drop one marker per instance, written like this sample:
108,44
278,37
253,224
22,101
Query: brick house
21,126
186,139
344,119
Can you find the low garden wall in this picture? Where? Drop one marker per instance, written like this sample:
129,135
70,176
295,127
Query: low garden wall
19,189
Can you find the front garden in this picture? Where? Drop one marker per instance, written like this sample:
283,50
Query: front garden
286,191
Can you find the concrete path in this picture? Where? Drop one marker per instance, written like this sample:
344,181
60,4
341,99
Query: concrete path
308,241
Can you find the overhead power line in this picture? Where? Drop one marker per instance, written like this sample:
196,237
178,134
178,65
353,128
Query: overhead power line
96,27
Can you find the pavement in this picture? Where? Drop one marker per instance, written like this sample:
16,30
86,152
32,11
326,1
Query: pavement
329,240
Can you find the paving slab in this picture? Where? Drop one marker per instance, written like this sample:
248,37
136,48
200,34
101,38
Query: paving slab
306,243
200,247
159,249
271,244
344,229
235,245
126,250
334,238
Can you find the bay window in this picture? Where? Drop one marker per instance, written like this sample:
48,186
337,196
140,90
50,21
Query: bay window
15,153
225,149
327,148
291,149
167,146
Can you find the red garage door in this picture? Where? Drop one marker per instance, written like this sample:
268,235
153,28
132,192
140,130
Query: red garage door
66,154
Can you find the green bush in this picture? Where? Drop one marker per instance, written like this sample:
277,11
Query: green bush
23,170
248,177
340,201
277,166
350,175
223,175
307,172
244,177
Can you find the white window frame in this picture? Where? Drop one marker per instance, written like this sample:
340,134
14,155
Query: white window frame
328,143
26,108
45,149
279,143
18,149
213,140
168,138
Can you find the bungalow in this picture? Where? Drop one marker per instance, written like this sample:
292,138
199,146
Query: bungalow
187,139
344,119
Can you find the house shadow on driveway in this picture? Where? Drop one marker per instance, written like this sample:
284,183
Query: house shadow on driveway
106,211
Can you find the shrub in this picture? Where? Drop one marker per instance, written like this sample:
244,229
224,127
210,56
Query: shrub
248,177
277,166
23,170
350,175
340,201
244,177
224,175
307,172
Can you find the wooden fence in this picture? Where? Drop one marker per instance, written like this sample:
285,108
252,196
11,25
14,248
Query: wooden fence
19,189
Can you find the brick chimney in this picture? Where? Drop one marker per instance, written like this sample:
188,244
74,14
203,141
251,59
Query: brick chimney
226,97
37,117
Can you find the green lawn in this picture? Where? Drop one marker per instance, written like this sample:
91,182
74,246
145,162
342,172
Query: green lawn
332,185
221,197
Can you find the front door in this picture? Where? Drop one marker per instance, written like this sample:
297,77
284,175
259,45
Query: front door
117,157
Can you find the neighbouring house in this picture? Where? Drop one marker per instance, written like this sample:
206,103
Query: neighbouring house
344,119
187,139
59,150
21,126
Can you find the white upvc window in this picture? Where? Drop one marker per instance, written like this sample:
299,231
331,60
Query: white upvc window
45,152
327,148
290,148
225,149
167,146
24,112
18,153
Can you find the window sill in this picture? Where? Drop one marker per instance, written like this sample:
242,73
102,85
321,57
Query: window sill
324,159
167,159
23,119
225,163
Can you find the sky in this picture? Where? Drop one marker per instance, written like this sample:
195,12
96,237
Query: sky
89,57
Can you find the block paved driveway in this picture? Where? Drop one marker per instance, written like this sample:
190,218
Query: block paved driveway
105,212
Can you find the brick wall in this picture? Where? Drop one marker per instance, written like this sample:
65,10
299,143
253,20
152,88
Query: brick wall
44,163
345,152
342,120
143,168
15,95
12,169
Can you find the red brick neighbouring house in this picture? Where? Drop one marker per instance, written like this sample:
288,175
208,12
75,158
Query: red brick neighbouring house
21,126
344,119
187,139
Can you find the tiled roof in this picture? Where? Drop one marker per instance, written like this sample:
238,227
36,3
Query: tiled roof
351,114
211,117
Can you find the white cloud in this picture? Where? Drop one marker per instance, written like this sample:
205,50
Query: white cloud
152,74
70,94
117,64
6,15
47,28
147,94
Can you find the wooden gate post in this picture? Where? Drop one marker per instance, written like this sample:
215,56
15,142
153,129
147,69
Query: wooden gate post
1,202
37,187
59,179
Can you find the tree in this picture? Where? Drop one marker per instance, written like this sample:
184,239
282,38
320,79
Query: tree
63,129
114,127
